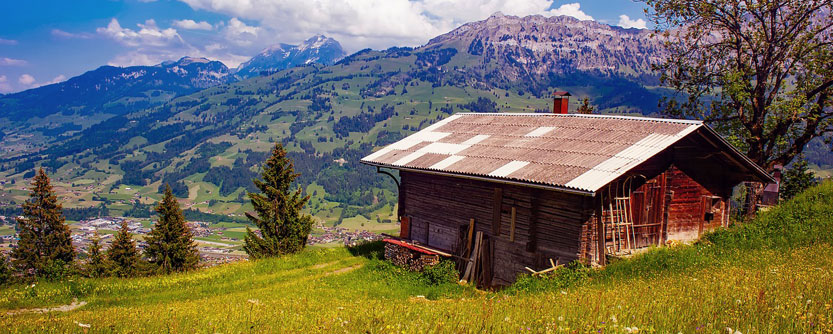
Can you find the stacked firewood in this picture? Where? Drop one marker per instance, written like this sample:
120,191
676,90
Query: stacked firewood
409,259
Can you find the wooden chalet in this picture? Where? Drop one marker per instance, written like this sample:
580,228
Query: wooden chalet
518,192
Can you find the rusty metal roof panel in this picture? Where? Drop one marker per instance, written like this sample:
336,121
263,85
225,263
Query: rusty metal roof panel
571,152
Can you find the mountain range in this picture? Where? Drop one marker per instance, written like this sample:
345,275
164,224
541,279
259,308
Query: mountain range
208,143
318,49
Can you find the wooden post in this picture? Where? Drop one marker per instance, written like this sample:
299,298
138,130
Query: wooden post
663,229
600,232
512,226
470,235
497,206
532,245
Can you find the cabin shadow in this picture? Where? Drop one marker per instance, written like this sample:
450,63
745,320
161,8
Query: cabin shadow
371,250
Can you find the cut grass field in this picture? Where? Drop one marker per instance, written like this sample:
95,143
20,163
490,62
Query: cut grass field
771,275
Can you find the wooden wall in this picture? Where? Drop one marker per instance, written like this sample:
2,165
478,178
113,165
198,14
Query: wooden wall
547,224
689,205
550,224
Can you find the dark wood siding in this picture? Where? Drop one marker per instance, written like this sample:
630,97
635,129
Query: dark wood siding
548,224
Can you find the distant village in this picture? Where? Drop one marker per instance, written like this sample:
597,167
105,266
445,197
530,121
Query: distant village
211,252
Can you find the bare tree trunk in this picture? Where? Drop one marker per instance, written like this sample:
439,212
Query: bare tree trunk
754,190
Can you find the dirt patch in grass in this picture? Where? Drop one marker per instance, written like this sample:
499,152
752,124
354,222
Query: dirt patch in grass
62,308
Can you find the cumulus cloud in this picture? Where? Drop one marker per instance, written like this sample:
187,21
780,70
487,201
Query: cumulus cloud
370,23
256,24
69,35
5,87
626,22
26,80
193,25
573,10
148,34
59,78
4,41
240,33
12,62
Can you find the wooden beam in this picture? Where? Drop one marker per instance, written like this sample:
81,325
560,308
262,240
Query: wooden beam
512,226
497,207
600,232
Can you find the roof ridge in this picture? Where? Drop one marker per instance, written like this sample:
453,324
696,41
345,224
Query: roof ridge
635,118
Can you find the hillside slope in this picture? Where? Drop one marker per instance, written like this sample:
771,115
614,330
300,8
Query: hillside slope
208,144
34,117
746,278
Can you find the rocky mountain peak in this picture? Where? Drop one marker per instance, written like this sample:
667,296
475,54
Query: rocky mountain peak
318,49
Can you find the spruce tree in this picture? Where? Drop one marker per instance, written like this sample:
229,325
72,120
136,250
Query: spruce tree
5,271
96,262
797,179
170,243
45,239
585,107
283,228
123,254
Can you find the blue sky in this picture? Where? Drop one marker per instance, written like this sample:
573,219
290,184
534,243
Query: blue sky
42,42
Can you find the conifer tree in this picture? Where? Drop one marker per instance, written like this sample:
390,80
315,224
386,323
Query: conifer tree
96,262
585,107
797,179
5,271
123,253
170,243
45,238
283,228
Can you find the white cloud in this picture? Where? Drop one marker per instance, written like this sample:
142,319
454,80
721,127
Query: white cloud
26,80
238,32
4,41
59,78
11,62
148,34
367,23
627,22
193,25
572,10
65,34
5,87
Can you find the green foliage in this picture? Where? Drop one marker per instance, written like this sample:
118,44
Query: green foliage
796,179
585,107
123,254
758,71
441,273
5,271
44,235
170,243
283,228
56,270
96,265
575,273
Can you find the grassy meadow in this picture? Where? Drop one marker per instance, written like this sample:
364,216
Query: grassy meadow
771,275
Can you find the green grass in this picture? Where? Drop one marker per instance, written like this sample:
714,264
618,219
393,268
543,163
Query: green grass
770,275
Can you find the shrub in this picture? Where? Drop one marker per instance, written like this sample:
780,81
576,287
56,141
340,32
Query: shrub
440,273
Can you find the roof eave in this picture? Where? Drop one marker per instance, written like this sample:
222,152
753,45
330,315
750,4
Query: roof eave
761,173
485,178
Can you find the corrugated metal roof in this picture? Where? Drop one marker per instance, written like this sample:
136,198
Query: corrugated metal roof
569,151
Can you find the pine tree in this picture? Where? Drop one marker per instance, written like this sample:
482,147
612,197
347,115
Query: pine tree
5,271
797,179
96,262
123,253
170,243
45,239
585,107
283,228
